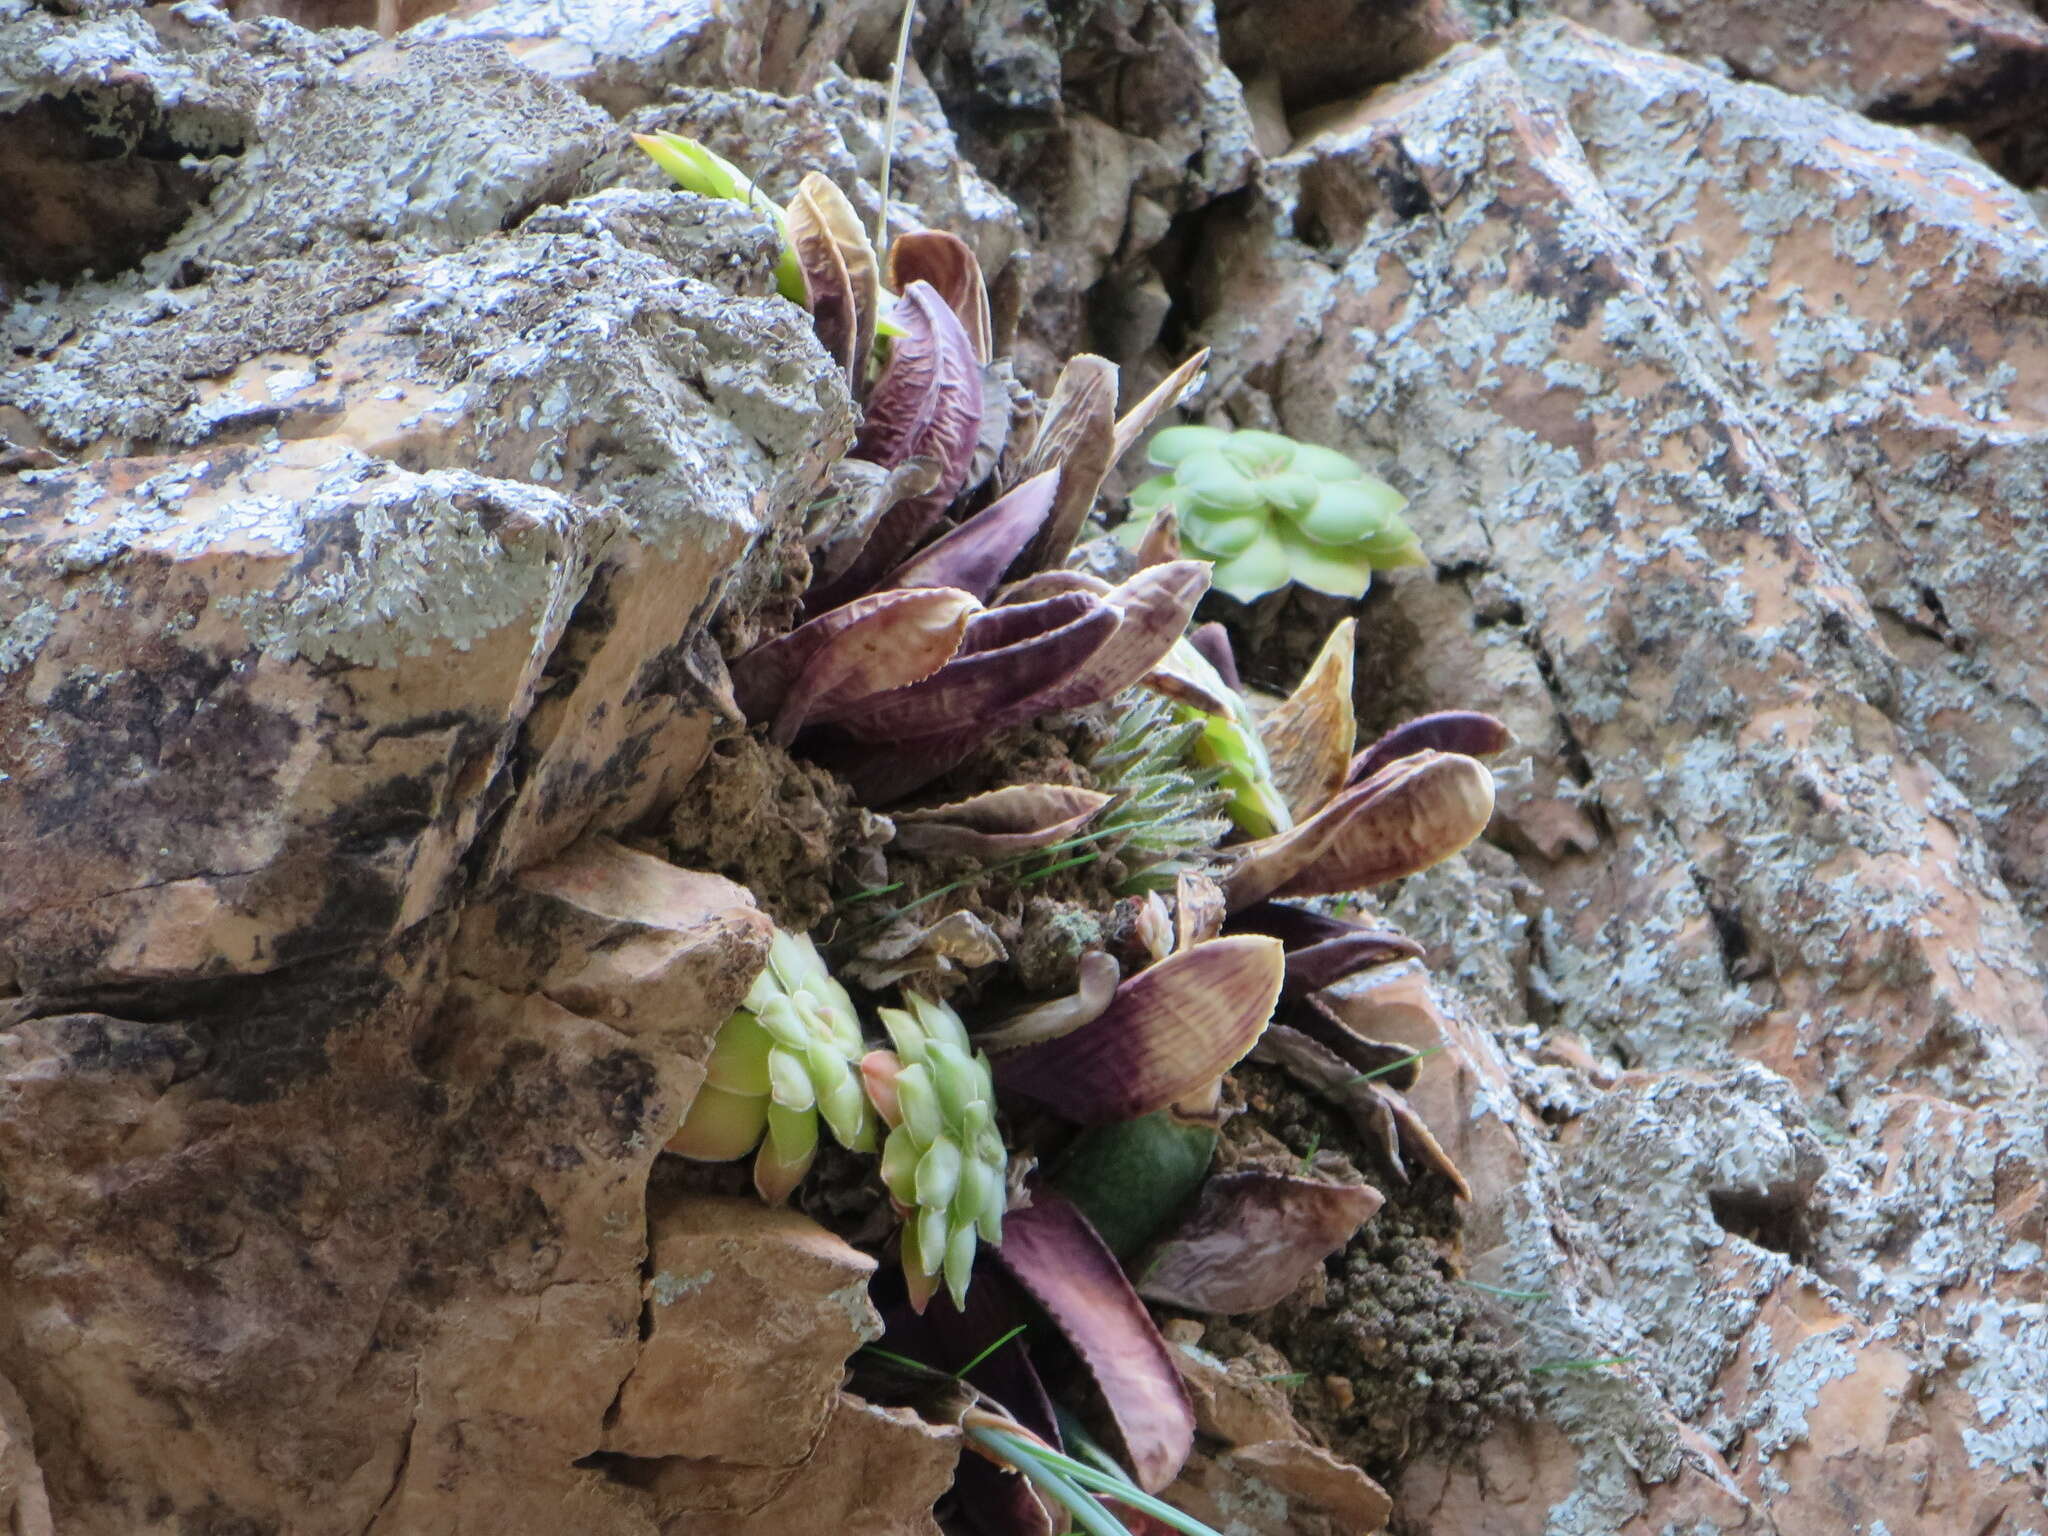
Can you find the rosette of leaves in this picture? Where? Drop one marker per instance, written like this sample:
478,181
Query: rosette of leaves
787,1058
1270,511
943,1161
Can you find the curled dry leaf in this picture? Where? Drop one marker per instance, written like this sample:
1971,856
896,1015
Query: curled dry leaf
1309,735
1453,730
872,645
1093,992
1251,1239
1161,541
957,941
1212,640
1413,813
947,263
1198,909
988,688
1077,437
861,494
973,557
1321,950
1379,1112
840,274
1040,585
1163,397
1001,822
1170,1031
926,404
1152,610
1056,1256
1153,924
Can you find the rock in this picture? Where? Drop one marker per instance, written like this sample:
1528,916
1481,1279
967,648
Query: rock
23,1501
872,1470
625,56
1280,1488
1772,559
752,1312
1976,67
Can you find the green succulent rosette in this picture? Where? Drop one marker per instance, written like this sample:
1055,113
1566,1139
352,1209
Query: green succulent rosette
943,1160
1268,510
1230,745
788,1057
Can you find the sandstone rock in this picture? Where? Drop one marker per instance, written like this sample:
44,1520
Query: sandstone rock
871,1470
1280,1488
752,1312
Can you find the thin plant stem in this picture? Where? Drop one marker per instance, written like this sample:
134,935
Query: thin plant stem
1392,1066
1119,1488
889,123
999,1343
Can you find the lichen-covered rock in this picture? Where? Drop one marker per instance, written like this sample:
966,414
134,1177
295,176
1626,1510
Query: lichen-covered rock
1978,67
1719,406
626,54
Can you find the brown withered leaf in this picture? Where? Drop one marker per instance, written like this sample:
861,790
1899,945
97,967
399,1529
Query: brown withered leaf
872,645
1161,542
1052,1252
1378,1112
1198,909
1309,735
1172,1029
1252,1238
1152,610
1000,822
1415,812
1163,397
946,262
957,941
1077,437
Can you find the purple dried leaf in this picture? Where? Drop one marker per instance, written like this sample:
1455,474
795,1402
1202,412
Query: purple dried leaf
1009,623
974,556
927,404
1251,1239
1322,951
1077,436
1001,822
870,491
1463,731
987,689
1163,397
1092,995
840,273
1055,1255
946,262
1213,641
1152,610
1416,812
1392,1065
1171,1030
1043,584
872,645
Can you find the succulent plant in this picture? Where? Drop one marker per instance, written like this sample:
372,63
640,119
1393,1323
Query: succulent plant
943,1161
786,1058
1270,511
695,168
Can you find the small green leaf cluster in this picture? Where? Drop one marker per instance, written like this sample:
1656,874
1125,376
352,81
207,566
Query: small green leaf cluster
1166,820
1270,511
787,1057
944,1161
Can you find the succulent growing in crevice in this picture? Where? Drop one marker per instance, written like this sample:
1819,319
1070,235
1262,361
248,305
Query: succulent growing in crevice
943,1161
1270,511
1171,805
784,1060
